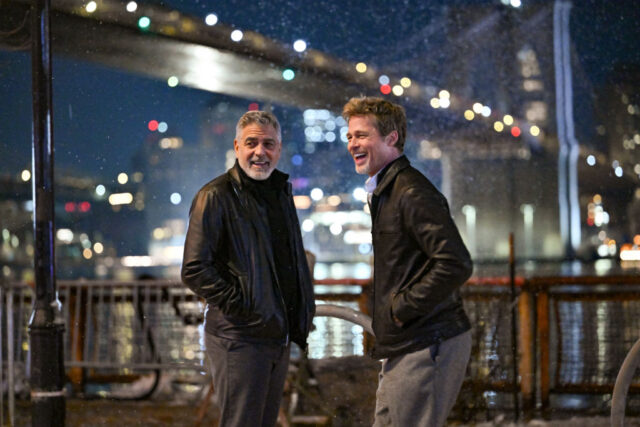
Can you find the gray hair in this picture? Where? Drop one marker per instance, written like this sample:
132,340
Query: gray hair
263,118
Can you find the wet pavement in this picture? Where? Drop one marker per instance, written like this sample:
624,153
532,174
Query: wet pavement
342,390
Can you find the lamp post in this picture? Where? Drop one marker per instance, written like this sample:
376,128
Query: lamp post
46,324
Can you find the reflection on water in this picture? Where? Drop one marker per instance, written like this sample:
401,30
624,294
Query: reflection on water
335,337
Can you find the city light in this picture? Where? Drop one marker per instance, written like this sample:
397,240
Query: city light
300,45
335,228
444,94
405,82
507,119
591,160
316,194
123,178
534,130
98,248
236,35
308,225
175,198
132,6
100,190
498,126
334,200
357,237
153,125
360,194
302,202
91,7
84,206
25,175
361,67
469,115
435,102
288,74
64,235
515,131
116,199
486,111
162,127
383,79
385,89
397,90
137,261
477,108
144,22
211,19
618,171
173,81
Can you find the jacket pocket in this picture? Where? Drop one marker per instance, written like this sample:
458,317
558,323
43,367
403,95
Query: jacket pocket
245,301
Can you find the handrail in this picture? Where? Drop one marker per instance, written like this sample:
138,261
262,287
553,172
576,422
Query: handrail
345,313
623,382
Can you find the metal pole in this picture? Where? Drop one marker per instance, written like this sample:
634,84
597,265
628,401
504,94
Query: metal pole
514,331
46,325
1,361
11,386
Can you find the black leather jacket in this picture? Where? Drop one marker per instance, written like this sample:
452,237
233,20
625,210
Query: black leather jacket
420,262
229,261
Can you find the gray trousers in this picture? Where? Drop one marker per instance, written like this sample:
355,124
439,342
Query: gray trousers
248,380
420,388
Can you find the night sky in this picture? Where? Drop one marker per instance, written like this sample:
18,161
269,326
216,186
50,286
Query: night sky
101,114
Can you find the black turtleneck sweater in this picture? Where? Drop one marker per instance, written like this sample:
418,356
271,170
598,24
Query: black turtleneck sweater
269,194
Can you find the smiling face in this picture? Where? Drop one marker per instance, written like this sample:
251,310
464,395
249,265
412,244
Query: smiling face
258,150
370,150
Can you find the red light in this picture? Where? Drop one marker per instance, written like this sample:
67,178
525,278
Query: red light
385,89
590,221
515,131
70,207
85,206
254,106
153,125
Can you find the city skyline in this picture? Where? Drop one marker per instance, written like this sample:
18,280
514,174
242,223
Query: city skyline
101,114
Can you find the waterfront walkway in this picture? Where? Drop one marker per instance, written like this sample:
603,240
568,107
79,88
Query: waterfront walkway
347,386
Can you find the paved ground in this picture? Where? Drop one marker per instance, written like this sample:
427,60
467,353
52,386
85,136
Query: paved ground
344,392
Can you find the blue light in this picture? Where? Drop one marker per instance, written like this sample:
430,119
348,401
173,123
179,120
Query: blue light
144,22
296,159
288,74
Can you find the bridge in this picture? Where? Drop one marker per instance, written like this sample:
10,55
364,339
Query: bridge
174,44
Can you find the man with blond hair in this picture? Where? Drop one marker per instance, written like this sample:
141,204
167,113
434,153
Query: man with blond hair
420,262
244,256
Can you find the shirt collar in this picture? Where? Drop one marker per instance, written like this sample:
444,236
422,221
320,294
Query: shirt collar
371,183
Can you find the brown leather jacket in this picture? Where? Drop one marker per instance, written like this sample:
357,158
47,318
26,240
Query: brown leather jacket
420,262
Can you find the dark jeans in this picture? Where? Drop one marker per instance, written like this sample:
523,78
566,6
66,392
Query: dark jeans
248,380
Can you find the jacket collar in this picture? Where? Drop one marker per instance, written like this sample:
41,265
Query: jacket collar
389,173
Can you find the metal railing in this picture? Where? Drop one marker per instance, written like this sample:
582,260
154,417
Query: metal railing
572,333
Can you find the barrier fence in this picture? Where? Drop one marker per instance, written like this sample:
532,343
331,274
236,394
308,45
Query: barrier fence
572,334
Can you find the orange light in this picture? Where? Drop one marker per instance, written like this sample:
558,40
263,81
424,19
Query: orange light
636,240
